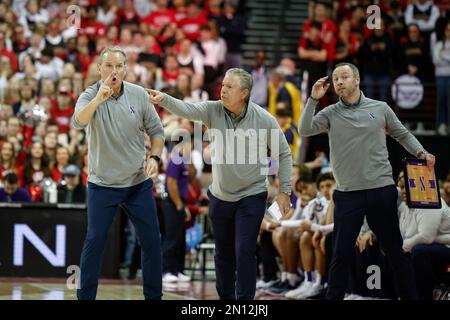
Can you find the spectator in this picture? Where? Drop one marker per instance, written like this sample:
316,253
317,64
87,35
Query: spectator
36,167
232,26
281,90
175,214
170,71
62,161
413,53
107,12
357,21
144,7
159,17
189,60
11,192
211,51
284,119
89,26
4,52
71,190
346,44
14,128
33,16
84,158
290,69
183,85
326,26
20,42
426,234
313,53
50,144
63,110
37,44
214,8
395,21
261,77
423,13
54,39
179,10
197,93
127,17
49,66
376,58
441,60
194,194
194,19
7,159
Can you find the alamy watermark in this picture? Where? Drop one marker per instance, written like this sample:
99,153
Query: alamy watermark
374,17
73,281
74,19
374,280
260,147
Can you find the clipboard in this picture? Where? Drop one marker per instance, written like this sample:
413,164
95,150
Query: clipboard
422,187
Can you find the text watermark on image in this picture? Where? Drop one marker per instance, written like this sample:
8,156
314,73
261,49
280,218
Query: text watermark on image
73,281
74,18
374,17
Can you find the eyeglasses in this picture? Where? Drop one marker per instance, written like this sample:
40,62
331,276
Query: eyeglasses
63,93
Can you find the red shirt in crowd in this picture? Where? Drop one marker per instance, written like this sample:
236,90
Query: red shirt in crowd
92,29
11,57
62,118
327,26
193,195
191,26
179,15
170,77
159,19
56,174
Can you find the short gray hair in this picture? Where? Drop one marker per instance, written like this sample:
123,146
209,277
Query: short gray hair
350,65
112,49
245,78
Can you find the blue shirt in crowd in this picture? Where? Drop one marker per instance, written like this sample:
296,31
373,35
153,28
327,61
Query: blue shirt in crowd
21,195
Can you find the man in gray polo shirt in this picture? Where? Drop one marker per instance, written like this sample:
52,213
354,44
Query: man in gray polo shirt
116,114
238,191
357,128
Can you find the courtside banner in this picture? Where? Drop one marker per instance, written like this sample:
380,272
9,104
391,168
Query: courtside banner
39,240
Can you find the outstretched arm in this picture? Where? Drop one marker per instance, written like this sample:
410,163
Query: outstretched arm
191,111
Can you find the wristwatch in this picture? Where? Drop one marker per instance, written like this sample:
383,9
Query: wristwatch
287,192
158,159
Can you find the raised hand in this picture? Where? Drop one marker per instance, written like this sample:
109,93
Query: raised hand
320,88
105,90
155,96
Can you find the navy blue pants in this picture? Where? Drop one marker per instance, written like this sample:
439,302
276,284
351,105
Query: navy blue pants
429,261
102,206
235,227
380,208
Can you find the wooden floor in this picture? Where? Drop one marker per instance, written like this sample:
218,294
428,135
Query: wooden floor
56,289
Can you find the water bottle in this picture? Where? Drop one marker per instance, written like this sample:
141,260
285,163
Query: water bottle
49,190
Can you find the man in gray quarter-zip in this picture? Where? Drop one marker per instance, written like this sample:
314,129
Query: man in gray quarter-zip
116,114
357,128
238,191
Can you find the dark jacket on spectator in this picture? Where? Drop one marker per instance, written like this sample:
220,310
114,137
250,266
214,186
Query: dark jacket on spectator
77,195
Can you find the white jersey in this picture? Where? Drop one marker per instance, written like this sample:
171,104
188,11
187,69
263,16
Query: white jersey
316,209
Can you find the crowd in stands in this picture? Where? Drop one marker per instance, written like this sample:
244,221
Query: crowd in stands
183,47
